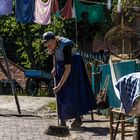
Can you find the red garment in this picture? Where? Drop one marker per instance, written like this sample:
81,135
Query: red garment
67,10
55,6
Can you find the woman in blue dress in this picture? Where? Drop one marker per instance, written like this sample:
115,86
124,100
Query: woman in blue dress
74,92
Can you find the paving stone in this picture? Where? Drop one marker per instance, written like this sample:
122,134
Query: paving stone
32,128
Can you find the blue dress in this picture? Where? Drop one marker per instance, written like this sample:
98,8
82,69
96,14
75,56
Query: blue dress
75,98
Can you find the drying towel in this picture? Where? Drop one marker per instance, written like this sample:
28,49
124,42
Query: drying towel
24,11
42,12
67,10
55,8
6,7
129,88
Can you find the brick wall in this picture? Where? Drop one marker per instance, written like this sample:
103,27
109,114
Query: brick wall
17,73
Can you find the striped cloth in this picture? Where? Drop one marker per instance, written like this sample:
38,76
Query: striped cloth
6,7
129,88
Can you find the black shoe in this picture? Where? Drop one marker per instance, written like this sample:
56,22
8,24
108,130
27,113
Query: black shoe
77,123
63,123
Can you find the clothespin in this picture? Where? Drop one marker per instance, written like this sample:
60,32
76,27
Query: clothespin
119,6
109,4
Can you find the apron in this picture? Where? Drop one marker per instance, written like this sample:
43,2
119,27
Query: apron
75,98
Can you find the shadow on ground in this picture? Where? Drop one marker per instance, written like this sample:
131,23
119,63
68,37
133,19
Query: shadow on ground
92,121
98,131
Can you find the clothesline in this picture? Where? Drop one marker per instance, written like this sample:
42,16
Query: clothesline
40,12
103,3
35,10
94,2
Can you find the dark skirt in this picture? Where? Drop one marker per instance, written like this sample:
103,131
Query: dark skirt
75,97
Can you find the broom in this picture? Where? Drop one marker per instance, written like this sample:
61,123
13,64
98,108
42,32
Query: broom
57,130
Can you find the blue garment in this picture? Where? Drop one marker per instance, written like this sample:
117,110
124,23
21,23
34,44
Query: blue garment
24,10
59,51
6,7
129,88
75,97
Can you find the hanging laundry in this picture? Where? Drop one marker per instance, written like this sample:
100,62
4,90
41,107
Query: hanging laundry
73,11
119,6
24,11
55,8
109,4
129,89
67,10
6,7
42,12
95,11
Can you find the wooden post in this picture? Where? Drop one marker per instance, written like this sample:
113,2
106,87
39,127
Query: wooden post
123,127
123,40
9,75
138,128
136,131
111,124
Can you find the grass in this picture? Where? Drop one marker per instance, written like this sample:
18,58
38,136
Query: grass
52,106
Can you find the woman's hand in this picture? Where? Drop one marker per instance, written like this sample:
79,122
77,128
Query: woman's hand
56,89
63,78
53,72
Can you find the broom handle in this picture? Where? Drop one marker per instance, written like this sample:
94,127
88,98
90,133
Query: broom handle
56,101
54,80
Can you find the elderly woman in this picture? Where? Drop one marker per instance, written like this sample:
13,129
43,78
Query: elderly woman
74,93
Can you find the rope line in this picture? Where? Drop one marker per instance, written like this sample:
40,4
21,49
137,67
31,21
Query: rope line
107,4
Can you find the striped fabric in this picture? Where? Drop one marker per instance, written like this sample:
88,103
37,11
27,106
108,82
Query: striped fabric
90,57
129,88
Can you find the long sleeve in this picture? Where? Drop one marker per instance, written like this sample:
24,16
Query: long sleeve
67,54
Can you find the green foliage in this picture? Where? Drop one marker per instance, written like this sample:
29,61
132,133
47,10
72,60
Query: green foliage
69,29
24,40
44,0
52,106
128,8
